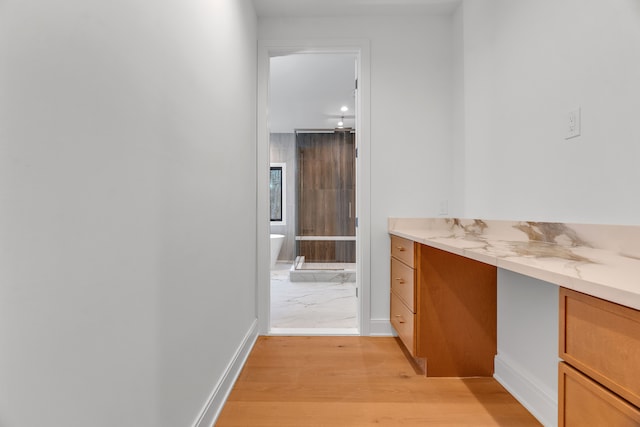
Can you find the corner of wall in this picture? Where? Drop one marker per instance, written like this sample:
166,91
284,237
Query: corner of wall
381,328
534,396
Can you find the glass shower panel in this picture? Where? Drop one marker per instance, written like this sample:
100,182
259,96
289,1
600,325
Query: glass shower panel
326,217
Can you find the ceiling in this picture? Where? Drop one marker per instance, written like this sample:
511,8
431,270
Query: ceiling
306,91
275,8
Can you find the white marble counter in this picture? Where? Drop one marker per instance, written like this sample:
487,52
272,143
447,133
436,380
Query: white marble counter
599,260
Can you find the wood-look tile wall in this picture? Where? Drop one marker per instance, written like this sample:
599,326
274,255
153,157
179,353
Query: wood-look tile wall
326,194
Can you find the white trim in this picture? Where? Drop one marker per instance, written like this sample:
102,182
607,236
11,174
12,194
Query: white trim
536,397
211,410
381,328
313,331
263,226
267,49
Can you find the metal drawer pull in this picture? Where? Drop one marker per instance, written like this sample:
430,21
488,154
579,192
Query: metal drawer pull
399,320
400,279
400,248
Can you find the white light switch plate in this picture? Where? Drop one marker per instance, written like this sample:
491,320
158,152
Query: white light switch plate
444,207
573,124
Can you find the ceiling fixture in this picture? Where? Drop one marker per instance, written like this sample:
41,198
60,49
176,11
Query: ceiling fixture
341,122
344,108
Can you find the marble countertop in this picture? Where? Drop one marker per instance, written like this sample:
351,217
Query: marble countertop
598,260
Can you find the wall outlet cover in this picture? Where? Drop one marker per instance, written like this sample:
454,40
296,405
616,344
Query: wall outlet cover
444,207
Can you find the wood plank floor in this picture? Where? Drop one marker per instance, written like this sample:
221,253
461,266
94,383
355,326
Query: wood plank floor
358,381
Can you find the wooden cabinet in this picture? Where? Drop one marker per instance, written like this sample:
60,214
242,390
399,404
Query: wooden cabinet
403,292
443,307
601,340
403,250
458,313
584,402
403,283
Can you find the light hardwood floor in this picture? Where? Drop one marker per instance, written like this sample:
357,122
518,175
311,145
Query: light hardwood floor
358,381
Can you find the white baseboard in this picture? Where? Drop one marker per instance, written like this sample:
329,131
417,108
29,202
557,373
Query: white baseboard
537,398
220,393
381,328
332,332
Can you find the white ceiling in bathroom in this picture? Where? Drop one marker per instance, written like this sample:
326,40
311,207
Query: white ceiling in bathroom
307,90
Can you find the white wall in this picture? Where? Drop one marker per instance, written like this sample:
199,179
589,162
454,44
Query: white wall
526,64
127,236
410,118
458,157
527,361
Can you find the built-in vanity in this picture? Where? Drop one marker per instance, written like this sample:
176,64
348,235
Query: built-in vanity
443,292
443,307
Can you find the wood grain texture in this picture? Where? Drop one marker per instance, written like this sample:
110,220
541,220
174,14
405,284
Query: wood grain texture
583,402
327,251
457,314
602,339
326,194
357,381
403,250
403,321
403,283
402,310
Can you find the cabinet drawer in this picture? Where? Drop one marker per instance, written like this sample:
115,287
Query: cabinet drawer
402,319
402,249
602,339
583,402
402,283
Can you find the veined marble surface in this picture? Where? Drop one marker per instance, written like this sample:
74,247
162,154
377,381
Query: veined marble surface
311,305
599,260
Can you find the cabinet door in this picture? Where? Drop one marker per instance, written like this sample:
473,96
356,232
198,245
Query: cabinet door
583,402
602,339
402,283
402,249
403,321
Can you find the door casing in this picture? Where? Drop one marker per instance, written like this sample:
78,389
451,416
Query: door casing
266,50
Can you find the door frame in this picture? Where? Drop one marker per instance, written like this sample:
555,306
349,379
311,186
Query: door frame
266,50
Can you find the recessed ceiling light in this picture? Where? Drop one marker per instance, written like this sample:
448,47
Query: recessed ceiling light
344,108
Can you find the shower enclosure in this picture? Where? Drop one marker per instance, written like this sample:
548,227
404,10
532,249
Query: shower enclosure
325,194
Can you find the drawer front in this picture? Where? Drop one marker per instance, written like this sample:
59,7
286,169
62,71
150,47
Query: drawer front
402,249
602,339
402,283
583,402
402,319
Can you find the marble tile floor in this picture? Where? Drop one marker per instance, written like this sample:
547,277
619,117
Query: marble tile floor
315,307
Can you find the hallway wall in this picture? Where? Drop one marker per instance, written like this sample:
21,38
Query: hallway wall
520,83
119,306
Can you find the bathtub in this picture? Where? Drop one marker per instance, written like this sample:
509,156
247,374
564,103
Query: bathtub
276,245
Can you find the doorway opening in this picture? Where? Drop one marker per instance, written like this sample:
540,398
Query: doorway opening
268,132
312,114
